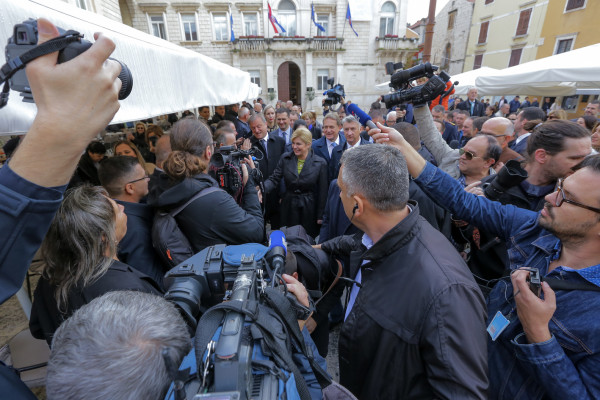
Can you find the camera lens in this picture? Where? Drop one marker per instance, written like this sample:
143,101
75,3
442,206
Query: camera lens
126,80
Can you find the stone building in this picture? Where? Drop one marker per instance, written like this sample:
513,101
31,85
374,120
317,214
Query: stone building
294,65
450,35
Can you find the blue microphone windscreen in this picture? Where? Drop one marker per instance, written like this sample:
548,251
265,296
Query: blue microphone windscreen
277,239
362,116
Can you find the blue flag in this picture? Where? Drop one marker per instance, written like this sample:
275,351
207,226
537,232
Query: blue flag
231,25
319,26
349,18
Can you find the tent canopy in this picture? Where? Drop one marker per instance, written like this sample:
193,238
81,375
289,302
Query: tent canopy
166,78
559,75
467,79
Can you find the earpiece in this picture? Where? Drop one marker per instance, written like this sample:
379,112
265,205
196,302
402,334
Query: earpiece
354,209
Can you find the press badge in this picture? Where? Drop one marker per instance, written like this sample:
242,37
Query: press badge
498,325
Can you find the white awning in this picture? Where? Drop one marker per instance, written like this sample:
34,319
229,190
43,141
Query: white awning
166,78
467,79
559,75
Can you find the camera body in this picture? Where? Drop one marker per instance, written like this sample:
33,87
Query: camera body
226,168
512,174
25,38
418,95
334,94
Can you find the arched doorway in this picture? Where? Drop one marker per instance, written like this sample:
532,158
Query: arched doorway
288,82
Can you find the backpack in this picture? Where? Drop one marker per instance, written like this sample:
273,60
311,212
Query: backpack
168,240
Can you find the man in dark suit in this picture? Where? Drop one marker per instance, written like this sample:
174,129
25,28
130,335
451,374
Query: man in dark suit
474,107
271,147
331,138
282,118
450,132
126,181
351,128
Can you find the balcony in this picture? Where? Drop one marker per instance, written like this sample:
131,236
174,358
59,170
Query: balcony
259,44
393,42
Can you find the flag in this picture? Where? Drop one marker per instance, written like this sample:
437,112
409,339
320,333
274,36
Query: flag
274,21
231,25
319,26
349,18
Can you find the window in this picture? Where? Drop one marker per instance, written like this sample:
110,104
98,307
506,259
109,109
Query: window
446,57
451,18
478,61
220,26
83,5
189,26
322,76
515,57
255,77
563,45
574,4
388,17
523,24
250,24
157,25
286,15
323,20
483,30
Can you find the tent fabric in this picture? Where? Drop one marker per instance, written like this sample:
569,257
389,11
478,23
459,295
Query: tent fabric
559,75
467,79
166,78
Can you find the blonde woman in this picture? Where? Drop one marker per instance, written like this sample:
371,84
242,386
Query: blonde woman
126,148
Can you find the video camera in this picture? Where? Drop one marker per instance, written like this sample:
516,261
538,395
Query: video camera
240,282
22,48
226,168
334,93
512,174
418,95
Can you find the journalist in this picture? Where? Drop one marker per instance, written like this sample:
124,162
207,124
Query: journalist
542,344
83,91
214,218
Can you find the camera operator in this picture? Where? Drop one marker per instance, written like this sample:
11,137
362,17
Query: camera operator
112,348
540,347
83,91
214,218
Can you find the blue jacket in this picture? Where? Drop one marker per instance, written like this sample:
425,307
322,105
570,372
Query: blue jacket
320,147
336,156
566,366
26,211
450,132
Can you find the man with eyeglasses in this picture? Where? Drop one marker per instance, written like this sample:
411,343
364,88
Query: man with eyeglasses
543,343
502,129
127,183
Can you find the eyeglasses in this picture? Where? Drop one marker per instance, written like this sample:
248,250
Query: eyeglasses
560,198
140,179
468,155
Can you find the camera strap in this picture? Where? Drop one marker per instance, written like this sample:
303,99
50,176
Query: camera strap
18,63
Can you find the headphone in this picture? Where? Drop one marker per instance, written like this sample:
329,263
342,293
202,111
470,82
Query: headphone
354,209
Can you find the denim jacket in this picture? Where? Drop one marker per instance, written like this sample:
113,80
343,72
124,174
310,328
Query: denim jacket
568,365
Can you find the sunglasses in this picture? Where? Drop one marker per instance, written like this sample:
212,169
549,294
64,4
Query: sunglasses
468,155
561,198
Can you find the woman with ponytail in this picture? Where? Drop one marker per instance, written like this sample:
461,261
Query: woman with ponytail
215,217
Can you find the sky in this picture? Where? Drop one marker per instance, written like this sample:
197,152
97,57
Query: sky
418,9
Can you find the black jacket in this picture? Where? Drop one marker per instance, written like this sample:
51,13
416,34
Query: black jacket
316,130
336,156
45,316
135,249
417,327
275,149
215,218
305,196
478,109
86,172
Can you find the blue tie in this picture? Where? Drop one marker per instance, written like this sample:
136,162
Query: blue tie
472,106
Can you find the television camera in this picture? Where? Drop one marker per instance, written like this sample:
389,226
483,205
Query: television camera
334,93
226,168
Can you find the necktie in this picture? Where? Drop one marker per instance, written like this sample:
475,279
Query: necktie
472,107
264,145
285,134
331,146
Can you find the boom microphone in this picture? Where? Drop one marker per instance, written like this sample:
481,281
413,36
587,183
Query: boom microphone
362,116
277,250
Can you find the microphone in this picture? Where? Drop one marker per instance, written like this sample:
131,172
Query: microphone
362,116
277,250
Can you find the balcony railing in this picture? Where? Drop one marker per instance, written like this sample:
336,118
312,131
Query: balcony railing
395,43
251,44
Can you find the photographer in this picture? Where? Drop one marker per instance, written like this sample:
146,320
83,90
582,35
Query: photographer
214,218
540,347
83,91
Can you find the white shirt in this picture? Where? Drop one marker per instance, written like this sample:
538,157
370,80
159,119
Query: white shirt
331,145
355,145
520,138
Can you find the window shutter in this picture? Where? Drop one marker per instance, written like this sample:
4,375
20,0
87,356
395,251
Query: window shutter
483,32
478,61
515,57
523,24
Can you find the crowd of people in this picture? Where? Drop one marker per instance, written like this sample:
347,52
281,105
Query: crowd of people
440,221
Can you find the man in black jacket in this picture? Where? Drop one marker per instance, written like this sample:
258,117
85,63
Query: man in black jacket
270,147
474,107
415,319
